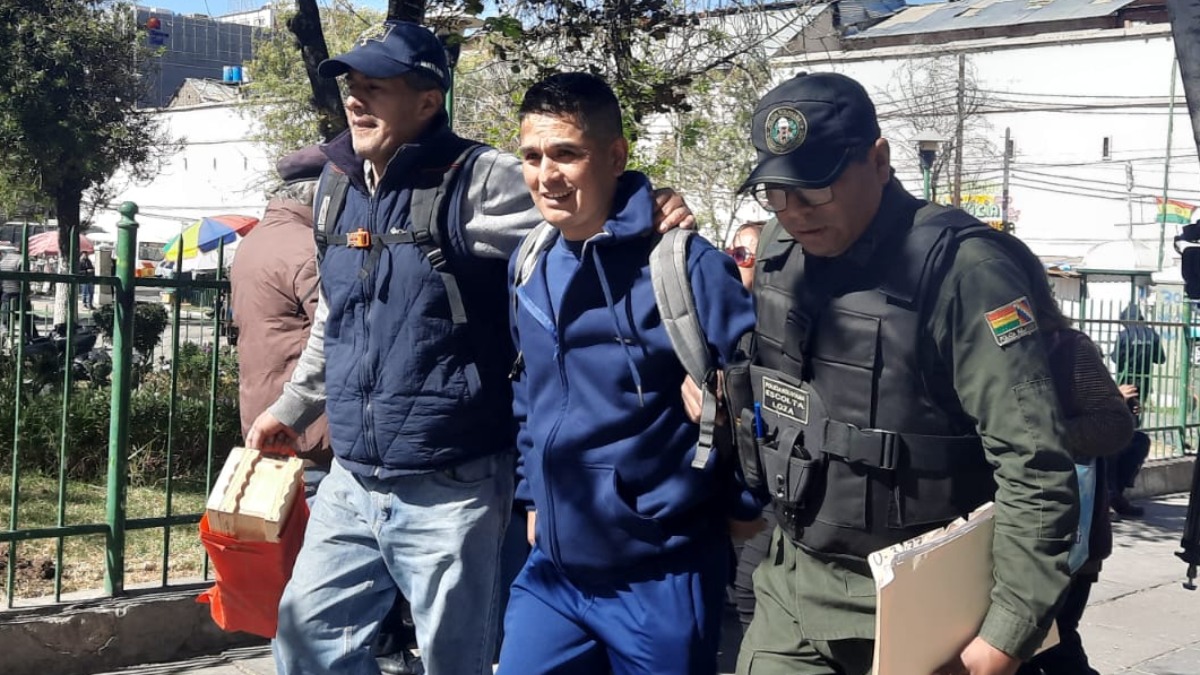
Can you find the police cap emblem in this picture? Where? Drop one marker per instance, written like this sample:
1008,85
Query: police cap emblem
378,33
785,129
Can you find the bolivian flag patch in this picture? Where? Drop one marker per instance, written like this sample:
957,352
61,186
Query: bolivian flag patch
1012,321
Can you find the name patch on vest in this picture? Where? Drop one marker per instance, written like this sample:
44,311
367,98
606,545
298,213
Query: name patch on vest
785,400
1012,321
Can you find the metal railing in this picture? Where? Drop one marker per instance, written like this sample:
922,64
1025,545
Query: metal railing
1153,347
134,378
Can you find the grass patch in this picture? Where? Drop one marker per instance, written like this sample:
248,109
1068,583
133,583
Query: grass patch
83,556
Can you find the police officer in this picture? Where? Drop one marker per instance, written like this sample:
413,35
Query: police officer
903,381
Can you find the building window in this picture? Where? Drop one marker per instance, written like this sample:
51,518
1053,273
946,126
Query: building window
1106,149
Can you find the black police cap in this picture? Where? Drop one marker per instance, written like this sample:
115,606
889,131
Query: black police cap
806,130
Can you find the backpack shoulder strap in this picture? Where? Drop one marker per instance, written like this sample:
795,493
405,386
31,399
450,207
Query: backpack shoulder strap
535,242
437,188
327,204
677,304
538,240
673,293
428,209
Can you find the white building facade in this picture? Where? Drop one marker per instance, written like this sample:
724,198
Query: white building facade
220,169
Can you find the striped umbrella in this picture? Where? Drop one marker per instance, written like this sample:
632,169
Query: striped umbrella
207,234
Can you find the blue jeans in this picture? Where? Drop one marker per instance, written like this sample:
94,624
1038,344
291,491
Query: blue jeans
433,537
313,475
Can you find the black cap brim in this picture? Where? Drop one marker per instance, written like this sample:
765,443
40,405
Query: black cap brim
811,169
371,65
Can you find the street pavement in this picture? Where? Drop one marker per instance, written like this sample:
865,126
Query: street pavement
1140,620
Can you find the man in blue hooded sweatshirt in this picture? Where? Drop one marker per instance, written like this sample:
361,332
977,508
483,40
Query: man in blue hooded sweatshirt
629,565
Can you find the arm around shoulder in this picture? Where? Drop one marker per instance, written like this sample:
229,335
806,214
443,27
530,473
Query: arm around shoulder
498,211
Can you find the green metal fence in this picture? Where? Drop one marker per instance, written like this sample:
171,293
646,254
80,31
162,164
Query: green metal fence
167,412
73,516
1153,347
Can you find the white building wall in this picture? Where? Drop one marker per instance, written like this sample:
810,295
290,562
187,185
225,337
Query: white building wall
1058,154
218,170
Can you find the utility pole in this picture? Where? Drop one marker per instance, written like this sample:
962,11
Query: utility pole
959,113
1129,195
1162,220
1004,187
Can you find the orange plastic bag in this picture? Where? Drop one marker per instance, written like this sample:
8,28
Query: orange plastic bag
251,575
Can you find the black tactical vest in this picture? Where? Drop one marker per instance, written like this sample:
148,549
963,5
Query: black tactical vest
863,444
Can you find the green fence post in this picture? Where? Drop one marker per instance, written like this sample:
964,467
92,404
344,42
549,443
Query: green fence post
64,437
20,316
118,430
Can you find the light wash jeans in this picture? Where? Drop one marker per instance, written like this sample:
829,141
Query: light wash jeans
434,537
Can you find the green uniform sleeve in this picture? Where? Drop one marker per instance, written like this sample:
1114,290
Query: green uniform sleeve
986,333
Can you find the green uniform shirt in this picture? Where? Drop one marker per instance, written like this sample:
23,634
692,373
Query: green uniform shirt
997,364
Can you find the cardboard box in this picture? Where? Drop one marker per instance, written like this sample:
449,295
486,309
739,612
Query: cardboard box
254,494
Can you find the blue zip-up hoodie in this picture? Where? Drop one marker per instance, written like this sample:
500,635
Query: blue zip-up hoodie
606,446
407,390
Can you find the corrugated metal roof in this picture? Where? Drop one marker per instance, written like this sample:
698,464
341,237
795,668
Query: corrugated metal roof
955,16
854,12
207,91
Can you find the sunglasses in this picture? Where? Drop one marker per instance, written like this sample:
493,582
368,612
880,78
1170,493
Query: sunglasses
742,256
774,198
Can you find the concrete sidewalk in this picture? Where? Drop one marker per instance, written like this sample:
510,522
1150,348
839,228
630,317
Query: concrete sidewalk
1140,620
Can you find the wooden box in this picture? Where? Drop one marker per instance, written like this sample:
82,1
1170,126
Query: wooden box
254,494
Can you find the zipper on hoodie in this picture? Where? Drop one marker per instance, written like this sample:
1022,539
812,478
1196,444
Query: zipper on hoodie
549,323
366,366
561,362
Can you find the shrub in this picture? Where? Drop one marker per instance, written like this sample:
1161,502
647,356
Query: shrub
89,418
150,319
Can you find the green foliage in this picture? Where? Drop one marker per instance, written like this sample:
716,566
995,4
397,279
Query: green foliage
707,152
279,89
652,52
150,319
68,92
89,417
487,94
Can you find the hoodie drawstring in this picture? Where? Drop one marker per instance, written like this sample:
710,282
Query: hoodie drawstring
612,311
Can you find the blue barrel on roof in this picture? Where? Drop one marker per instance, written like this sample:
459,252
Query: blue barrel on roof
227,74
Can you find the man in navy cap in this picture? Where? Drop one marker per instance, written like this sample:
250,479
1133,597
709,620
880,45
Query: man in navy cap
903,382
415,226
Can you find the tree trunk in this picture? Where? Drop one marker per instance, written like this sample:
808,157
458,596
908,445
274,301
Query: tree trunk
66,207
306,26
406,10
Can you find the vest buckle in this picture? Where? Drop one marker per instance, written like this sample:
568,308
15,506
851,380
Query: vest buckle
360,238
889,455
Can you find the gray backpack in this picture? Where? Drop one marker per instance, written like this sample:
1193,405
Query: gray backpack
676,306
